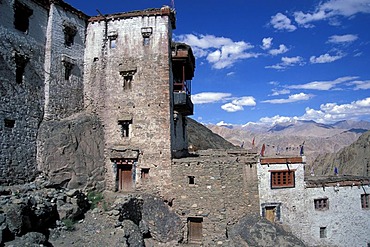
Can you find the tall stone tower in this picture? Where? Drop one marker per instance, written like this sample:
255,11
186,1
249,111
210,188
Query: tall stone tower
138,82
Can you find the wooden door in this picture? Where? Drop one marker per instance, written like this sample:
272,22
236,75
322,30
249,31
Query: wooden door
125,178
195,230
270,213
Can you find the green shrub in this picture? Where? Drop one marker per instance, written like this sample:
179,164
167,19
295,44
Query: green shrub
94,198
69,224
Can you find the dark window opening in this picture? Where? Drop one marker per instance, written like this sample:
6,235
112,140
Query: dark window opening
282,179
195,229
125,127
20,65
321,204
191,179
365,201
145,173
146,32
67,70
22,14
70,32
9,123
322,232
128,76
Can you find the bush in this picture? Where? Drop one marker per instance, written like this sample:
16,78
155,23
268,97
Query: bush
69,224
95,198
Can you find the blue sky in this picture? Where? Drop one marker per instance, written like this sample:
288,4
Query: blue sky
270,61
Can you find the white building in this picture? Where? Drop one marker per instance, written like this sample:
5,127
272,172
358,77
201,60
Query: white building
321,211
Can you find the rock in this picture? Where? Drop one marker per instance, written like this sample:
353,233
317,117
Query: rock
31,239
252,230
132,236
72,151
164,225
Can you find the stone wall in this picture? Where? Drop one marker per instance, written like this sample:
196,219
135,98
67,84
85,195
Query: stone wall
127,80
345,222
64,97
21,100
218,187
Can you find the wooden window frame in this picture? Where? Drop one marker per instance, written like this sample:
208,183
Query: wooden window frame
321,203
282,179
365,201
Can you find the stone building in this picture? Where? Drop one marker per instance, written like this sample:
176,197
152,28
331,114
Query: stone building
321,211
212,191
121,73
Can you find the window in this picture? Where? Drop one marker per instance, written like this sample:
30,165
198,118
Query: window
191,179
9,123
146,32
20,65
195,229
365,201
145,173
321,204
282,179
322,232
70,32
22,14
125,127
112,36
67,70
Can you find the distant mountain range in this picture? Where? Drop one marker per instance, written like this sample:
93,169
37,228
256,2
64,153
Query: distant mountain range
287,138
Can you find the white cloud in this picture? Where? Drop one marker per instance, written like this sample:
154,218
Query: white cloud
331,9
220,52
276,119
209,97
338,39
276,92
266,43
222,123
323,85
328,113
361,85
282,49
282,22
230,73
245,101
230,107
290,99
238,103
325,58
286,62
332,112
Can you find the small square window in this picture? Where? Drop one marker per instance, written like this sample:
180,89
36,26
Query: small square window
321,204
9,123
365,201
112,43
125,127
323,232
191,179
145,173
22,14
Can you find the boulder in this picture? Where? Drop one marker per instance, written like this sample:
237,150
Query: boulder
71,152
253,230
